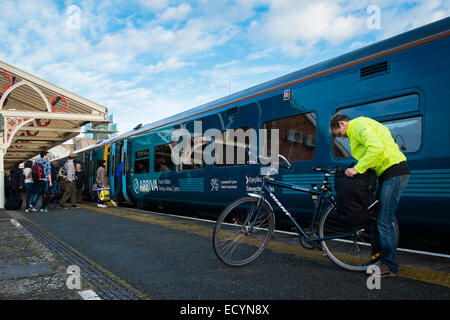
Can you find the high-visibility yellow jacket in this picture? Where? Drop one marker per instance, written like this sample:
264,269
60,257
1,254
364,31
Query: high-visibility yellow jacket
372,145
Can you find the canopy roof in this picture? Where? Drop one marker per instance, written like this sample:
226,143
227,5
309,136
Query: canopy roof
38,115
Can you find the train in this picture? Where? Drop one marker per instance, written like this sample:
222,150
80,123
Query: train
402,82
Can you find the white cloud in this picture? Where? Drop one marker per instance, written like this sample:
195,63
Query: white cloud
172,63
262,54
176,13
307,21
395,20
154,4
291,49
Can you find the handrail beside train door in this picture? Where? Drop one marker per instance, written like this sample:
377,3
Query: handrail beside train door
113,168
105,156
125,169
91,171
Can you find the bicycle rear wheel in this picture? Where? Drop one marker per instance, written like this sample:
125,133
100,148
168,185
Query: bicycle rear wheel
349,246
243,231
51,202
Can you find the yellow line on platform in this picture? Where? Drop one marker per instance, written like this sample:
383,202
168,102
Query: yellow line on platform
420,274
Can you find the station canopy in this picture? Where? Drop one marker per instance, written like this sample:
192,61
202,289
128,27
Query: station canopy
37,115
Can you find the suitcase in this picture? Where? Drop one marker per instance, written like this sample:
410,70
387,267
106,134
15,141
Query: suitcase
13,203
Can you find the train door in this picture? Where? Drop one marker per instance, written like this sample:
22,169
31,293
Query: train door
112,168
106,156
86,167
91,170
125,170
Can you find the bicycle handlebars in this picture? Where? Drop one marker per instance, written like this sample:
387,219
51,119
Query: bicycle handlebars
268,159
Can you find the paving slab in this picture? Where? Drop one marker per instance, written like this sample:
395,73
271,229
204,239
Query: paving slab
17,271
28,269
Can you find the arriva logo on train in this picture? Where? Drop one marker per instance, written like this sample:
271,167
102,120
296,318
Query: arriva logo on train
145,185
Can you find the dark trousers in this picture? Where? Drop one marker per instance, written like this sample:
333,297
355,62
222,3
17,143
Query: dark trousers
385,243
69,192
117,189
79,192
41,188
29,188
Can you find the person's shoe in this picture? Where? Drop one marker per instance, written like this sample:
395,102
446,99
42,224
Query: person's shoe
114,203
381,271
44,210
33,209
102,205
373,260
74,207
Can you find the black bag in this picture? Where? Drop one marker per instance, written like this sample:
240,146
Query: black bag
13,204
356,202
52,196
17,178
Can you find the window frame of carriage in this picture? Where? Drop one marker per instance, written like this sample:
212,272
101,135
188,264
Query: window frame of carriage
142,156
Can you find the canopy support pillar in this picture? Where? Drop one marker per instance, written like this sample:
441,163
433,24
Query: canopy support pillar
10,127
2,177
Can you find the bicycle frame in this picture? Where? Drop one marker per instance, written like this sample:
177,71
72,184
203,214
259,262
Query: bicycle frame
322,195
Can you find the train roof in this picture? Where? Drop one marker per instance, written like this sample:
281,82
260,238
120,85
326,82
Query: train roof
358,56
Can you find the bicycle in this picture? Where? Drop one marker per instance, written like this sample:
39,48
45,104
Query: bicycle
53,198
245,227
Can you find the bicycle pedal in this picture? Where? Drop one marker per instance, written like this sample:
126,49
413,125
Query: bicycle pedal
308,245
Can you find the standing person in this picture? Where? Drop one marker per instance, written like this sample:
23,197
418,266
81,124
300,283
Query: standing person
42,185
79,178
69,189
16,175
102,181
56,188
29,185
7,179
372,145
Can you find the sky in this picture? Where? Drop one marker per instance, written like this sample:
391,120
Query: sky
148,59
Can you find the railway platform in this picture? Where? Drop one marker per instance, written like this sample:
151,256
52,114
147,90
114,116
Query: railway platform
124,253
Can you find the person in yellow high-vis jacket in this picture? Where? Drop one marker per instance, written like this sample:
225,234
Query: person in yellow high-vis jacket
371,143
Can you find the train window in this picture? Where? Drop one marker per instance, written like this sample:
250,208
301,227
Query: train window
194,155
141,166
341,148
407,133
163,158
232,147
383,108
297,136
142,154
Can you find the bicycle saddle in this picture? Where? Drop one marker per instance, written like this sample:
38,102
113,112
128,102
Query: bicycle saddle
325,170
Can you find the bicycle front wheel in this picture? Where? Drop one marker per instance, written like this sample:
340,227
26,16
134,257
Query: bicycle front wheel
51,203
243,231
346,245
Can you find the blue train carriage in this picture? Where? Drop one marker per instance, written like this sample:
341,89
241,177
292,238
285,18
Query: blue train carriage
402,82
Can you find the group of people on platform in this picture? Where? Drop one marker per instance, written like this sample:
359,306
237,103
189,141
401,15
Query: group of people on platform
48,181
70,174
